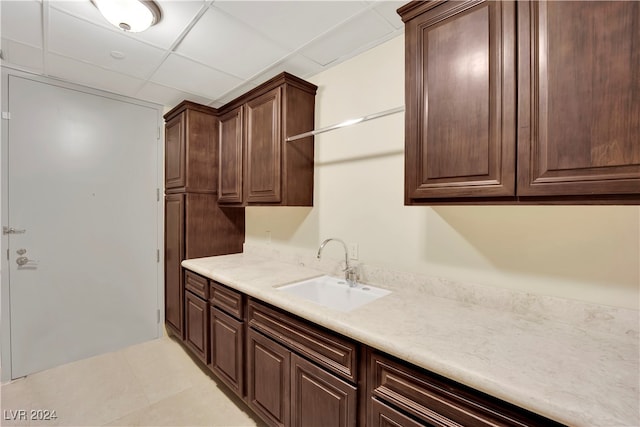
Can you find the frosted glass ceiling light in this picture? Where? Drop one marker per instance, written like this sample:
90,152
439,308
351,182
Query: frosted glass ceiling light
129,15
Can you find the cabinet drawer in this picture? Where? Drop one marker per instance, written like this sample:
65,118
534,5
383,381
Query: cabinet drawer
439,401
226,299
385,416
196,284
335,353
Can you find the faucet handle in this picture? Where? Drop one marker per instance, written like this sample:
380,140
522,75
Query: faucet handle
351,275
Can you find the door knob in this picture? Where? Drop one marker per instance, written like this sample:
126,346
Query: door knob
23,261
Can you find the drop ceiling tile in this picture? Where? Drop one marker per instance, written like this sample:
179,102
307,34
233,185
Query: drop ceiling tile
176,15
167,96
229,46
22,56
22,22
234,93
193,77
75,38
388,10
89,75
298,65
364,30
292,23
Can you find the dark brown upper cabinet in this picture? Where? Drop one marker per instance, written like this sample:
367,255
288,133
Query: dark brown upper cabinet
460,99
231,149
522,102
579,103
257,165
191,149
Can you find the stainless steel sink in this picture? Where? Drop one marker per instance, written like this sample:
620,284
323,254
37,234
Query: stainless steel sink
334,293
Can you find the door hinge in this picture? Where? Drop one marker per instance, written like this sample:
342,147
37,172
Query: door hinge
158,312
158,255
7,254
157,194
158,136
6,115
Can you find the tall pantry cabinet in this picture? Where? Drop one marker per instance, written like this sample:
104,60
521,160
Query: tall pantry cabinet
195,225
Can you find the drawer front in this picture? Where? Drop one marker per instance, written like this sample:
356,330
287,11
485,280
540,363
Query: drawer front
385,416
196,284
439,401
337,354
226,299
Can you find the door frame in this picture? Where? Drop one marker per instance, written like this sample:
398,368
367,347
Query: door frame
5,295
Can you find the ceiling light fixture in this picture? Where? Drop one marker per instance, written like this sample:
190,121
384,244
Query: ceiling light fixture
130,15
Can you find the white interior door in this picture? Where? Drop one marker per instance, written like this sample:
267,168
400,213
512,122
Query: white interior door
82,177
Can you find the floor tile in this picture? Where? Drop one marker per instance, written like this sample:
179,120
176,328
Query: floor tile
89,392
156,383
203,405
15,401
163,368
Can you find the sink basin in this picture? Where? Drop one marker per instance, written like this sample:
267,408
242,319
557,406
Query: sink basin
334,293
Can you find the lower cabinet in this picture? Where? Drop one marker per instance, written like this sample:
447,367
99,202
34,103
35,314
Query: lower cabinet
226,337
298,374
268,379
403,395
196,315
319,399
288,390
291,372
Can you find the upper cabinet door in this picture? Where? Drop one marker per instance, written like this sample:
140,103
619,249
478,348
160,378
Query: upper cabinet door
191,149
264,147
460,99
174,158
579,107
231,160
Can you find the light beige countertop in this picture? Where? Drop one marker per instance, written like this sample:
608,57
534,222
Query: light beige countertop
578,373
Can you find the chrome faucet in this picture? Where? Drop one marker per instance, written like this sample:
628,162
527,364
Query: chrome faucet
350,272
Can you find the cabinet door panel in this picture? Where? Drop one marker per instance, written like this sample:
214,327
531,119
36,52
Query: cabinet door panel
580,98
264,142
174,158
318,398
268,379
209,229
231,160
460,120
227,349
201,152
196,321
173,256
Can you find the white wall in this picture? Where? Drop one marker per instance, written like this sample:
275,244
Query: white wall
589,253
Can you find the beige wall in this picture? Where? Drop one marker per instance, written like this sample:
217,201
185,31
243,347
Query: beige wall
587,253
